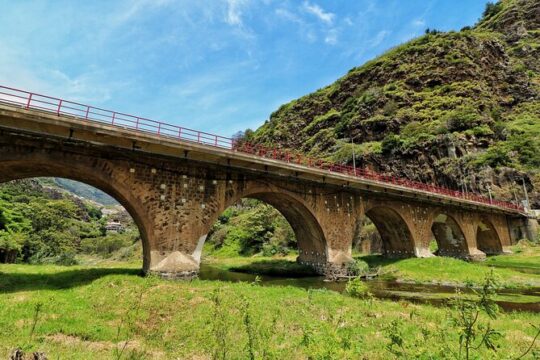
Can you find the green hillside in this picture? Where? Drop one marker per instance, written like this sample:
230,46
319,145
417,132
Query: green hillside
41,224
458,108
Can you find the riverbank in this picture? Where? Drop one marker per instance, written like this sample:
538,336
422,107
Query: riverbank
84,312
519,270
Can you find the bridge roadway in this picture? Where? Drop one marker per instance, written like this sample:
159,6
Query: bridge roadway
175,182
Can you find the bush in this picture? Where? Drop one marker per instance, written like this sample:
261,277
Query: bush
106,245
357,288
357,267
66,259
492,9
462,119
495,156
391,143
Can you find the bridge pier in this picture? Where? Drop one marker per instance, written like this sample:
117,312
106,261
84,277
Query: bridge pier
524,228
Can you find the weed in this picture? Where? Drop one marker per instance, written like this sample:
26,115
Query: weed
357,288
250,329
467,319
128,325
37,311
531,345
394,333
219,326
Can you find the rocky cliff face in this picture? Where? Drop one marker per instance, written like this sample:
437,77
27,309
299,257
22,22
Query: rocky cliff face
460,109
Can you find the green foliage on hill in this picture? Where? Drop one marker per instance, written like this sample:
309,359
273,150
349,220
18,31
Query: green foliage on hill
40,224
249,228
469,98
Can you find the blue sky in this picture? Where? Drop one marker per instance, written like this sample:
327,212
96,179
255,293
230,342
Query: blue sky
217,65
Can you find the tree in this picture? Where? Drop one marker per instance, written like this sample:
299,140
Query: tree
492,9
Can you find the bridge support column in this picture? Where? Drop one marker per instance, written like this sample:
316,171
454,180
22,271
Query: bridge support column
339,217
183,205
524,228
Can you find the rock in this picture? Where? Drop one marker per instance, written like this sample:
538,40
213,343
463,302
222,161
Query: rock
16,354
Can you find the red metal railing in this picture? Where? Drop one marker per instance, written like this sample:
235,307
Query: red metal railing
29,100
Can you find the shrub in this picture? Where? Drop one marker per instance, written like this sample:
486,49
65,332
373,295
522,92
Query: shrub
357,267
390,108
106,245
357,288
462,118
391,143
66,259
331,117
492,9
495,156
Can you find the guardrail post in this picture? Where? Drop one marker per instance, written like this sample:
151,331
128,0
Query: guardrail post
87,111
198,137
159,129
180,133
137,124
59,107
29,100
113,116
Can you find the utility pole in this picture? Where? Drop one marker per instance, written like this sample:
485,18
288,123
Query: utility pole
353,156
489,192
526,194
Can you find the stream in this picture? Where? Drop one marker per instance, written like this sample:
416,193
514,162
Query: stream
508,299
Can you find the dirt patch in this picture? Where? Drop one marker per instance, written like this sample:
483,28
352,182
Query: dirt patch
103,346
75,341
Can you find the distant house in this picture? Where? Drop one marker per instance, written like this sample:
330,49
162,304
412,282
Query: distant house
114,226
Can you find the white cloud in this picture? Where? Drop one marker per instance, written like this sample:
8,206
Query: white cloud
419,22
316,10
331,37
234,12
287,15
138,7
378,39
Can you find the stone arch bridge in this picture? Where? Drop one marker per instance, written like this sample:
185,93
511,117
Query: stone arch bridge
175,185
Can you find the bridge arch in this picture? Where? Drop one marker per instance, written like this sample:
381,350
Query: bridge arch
35,166
449,235
299,213
396,235
487,238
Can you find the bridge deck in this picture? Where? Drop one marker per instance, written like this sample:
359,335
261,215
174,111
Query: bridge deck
44,115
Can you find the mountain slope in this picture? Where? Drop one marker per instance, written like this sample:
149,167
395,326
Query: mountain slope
460,109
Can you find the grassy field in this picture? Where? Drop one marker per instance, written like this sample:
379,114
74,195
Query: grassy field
449,271
517,270
105,309
110,312
525,257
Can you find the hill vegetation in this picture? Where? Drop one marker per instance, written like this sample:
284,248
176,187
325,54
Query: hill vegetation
458,108
40,223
